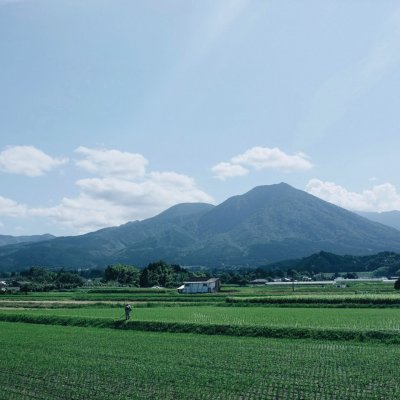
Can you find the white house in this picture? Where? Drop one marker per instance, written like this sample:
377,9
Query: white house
211,286
259,281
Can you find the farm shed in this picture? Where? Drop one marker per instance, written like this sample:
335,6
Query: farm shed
211,286
259,281
3,286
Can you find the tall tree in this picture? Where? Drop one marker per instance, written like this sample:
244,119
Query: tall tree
123,274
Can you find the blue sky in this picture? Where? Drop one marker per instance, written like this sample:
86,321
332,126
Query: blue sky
112,111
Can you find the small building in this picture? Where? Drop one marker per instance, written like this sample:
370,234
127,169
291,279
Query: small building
212,285
3,285
259,281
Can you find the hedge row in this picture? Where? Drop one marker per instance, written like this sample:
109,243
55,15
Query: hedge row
98,304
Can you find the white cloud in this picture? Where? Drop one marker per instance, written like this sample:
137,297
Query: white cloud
226,170
267,158
27,160
259,158
83,214
122,192
112,163
11,208
158,190
379,198
111,201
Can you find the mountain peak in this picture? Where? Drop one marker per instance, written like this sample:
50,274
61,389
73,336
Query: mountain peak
281,187
268,223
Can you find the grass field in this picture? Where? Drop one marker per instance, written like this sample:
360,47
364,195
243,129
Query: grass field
352,350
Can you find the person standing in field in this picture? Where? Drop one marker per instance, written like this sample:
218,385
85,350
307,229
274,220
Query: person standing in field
128,310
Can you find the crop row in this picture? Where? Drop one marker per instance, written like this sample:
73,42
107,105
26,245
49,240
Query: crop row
49,304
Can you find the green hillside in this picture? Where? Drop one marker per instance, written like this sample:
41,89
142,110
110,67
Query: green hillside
383,264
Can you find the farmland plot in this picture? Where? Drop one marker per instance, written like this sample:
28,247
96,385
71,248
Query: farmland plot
50,362
349,318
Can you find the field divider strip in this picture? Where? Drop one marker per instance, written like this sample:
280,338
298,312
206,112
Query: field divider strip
210,329
340,301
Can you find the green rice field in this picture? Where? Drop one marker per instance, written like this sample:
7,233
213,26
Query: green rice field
52,362
331,318
245,343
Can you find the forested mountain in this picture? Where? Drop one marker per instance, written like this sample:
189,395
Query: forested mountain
266,224
383,264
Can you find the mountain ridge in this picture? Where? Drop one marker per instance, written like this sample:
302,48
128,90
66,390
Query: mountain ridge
268,223
381,264
8,239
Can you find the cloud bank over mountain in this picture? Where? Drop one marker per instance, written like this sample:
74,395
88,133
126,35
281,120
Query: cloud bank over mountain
260,158
123,189
384,197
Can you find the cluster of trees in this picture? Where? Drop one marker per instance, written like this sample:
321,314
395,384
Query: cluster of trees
122,274
162,274
243,276
41,279
158,273
155,274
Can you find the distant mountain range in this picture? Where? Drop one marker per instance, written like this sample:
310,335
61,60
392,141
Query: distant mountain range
389,218
6,239
382,264
266,224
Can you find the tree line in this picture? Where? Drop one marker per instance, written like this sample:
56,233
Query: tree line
156,274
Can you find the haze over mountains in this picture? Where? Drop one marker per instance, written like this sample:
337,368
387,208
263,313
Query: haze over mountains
389,218
266,224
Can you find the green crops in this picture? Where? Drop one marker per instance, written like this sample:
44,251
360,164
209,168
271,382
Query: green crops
331,318
252,345
292,332
51,362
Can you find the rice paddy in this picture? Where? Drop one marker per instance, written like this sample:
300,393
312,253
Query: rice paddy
75,345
